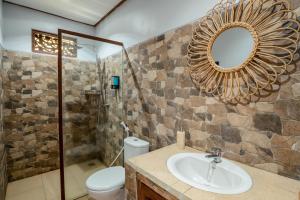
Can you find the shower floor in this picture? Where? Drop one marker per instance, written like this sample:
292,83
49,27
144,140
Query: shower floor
47,186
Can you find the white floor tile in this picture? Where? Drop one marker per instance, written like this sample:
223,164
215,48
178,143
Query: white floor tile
47,186
33,194
51,183
24,185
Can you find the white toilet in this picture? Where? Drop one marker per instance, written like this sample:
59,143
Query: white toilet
108,184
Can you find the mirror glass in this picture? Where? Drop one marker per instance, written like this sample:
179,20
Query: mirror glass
232,47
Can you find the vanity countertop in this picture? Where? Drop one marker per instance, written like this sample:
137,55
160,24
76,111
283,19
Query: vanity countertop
266,185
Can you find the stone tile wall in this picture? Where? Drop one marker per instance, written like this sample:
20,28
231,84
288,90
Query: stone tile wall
110,135
130,183
30,120
80,111
31,113
160,99
3,154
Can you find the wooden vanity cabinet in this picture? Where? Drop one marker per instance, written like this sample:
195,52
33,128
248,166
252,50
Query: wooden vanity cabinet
147,190
146,193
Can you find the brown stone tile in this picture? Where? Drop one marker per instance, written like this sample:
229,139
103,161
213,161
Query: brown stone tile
230,134
294,4
291,128
268,122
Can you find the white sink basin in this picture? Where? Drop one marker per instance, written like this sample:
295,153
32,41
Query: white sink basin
195,170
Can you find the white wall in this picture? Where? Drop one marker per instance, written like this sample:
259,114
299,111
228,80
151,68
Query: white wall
18,22
135,21
138,20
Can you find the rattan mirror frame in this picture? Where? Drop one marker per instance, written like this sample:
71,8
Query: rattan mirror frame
275,31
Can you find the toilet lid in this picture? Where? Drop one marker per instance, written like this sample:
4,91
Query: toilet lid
106,179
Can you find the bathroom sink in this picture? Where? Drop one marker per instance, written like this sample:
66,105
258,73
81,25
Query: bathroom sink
197,171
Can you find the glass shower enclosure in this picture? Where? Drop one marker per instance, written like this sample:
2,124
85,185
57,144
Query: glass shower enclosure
90,108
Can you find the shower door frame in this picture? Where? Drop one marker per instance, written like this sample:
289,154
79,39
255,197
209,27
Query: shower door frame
60,96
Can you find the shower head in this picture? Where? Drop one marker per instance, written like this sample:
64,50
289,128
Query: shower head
125,127
79,47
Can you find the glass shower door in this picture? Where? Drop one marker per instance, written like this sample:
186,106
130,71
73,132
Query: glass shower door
91,109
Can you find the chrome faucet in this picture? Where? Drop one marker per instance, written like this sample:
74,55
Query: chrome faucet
216,154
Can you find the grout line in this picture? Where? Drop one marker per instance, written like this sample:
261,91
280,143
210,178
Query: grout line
42,186
81,197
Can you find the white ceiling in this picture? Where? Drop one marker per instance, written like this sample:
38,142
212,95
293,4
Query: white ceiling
86,11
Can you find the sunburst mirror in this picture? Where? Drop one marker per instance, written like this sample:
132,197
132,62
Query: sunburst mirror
240,49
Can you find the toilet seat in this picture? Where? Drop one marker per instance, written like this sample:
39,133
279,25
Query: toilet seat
106,179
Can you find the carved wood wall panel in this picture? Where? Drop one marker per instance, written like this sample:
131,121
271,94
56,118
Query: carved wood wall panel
47,43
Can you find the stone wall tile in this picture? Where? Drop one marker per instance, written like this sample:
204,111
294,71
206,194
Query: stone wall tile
291,128
31,107
262,134
3,144
294,4
239,120
268,122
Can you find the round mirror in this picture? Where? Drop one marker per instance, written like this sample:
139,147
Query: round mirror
232,47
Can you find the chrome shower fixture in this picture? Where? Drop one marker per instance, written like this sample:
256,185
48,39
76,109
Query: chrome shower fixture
125,127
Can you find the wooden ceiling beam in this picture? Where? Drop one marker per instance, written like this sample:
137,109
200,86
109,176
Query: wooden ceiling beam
110,12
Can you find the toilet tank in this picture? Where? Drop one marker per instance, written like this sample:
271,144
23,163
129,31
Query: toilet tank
134,147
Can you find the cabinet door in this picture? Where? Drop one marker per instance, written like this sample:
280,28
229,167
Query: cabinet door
147,190
146,193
